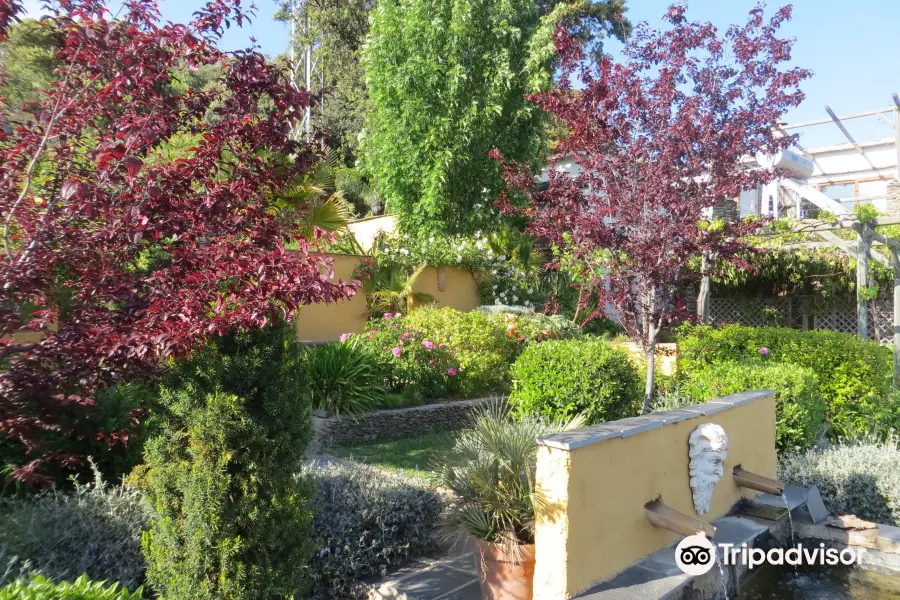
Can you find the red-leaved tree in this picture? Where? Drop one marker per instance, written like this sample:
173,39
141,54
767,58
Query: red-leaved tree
660,138
140,216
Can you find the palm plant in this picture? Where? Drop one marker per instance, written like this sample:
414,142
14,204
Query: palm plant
314,202
491,470
518,248
346,378
394,291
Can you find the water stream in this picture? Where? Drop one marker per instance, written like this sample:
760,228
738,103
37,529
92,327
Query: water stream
790,520
721,574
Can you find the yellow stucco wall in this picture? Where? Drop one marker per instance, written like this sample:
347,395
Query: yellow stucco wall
591,522
365,230
325,322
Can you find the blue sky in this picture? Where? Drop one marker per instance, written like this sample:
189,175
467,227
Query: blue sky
853,48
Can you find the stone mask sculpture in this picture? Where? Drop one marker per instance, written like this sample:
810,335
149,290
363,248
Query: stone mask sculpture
708,447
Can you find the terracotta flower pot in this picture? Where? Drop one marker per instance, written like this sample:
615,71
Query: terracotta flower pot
504,576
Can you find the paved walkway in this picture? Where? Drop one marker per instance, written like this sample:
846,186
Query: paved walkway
451,576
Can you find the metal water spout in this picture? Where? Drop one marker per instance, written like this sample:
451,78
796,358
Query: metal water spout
670,519
746,479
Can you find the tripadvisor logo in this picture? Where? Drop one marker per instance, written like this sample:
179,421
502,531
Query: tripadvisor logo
696,555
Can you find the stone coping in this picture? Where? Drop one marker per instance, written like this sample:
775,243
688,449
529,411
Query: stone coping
577,438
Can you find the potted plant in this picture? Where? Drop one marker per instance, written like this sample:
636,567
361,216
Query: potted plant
491,471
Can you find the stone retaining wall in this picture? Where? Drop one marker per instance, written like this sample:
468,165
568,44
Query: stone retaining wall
395,423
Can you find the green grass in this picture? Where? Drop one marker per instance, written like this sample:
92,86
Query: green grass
413,456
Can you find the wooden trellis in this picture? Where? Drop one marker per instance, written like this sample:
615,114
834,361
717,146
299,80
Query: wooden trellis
866,236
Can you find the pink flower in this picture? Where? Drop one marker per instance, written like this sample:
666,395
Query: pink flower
346,336
430,362
396,351
428,344
764,351
405,335
388,316
402,343
417,362
451,372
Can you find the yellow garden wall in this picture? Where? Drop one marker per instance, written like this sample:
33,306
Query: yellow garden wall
594,483
324,322
365,230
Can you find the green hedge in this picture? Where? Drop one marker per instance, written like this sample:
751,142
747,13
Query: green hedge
854,375
563,378
860,479
799,409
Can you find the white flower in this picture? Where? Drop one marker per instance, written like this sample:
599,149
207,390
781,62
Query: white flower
515,298
404,251
431,239
530,291
502,257
459,259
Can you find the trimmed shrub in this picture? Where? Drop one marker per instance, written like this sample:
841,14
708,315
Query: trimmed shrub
413,364
346,378
476,342
560,379
366,521
230,521
860,479
799,410
854,375
94,530
40,588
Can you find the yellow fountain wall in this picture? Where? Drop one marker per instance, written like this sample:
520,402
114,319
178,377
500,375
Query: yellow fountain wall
591,522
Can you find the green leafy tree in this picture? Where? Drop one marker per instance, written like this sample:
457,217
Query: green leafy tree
28,57
447,82
337,30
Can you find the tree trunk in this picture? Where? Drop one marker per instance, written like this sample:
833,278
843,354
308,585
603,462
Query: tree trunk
650,355
703,294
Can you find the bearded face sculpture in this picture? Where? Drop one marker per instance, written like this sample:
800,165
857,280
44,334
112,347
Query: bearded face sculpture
708,447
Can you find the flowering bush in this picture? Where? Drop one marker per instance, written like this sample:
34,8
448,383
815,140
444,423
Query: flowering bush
410,359
478,343
472,253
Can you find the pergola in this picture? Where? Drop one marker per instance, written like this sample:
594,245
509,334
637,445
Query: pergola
844,220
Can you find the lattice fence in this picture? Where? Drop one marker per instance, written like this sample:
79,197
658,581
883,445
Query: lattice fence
805,312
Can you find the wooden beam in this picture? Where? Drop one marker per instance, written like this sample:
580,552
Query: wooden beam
897,131
867,113
895,264
816,197
849,137
863,250
880,237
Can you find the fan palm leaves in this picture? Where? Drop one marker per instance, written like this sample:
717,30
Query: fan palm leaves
313,201
395,291
491,470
